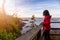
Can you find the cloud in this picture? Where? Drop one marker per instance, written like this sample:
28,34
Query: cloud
9,6
36,7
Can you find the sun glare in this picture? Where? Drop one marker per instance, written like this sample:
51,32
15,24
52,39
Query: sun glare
1,1
9,7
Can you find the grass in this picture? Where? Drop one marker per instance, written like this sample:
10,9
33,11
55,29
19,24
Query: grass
10,27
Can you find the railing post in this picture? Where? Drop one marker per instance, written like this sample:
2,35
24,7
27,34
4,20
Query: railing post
39,35
35,38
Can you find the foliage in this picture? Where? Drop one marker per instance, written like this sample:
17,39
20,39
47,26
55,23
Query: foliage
9,27
7,36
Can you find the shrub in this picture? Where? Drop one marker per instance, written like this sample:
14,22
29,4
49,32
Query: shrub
9,28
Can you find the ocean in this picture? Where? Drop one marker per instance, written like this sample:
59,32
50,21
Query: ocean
39,20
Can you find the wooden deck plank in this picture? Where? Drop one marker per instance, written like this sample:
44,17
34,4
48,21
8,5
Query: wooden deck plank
29,35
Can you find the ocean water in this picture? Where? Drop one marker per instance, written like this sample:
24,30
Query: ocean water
53,25
39,20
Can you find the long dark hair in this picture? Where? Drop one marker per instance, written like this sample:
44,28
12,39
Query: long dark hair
46,13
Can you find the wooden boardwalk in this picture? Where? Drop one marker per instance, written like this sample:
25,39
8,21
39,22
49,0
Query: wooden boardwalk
54,34
30,35
35,32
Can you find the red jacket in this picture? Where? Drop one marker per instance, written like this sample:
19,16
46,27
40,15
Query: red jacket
46,23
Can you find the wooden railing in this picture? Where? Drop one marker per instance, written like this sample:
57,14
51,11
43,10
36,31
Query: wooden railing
31,35
55,33
36,33
55,22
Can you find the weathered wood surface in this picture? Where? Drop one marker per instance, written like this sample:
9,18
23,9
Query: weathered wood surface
31,34
55,33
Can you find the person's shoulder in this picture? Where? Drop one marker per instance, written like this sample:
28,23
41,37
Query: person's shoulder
47,17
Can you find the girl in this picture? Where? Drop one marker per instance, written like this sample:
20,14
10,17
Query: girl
46,25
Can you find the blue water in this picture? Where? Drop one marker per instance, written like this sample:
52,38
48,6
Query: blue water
53,25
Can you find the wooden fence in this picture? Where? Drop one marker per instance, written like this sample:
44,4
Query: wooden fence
36,34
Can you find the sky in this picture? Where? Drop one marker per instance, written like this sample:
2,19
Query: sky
27,8
9,6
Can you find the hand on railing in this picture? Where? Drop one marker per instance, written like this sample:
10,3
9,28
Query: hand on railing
40,25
